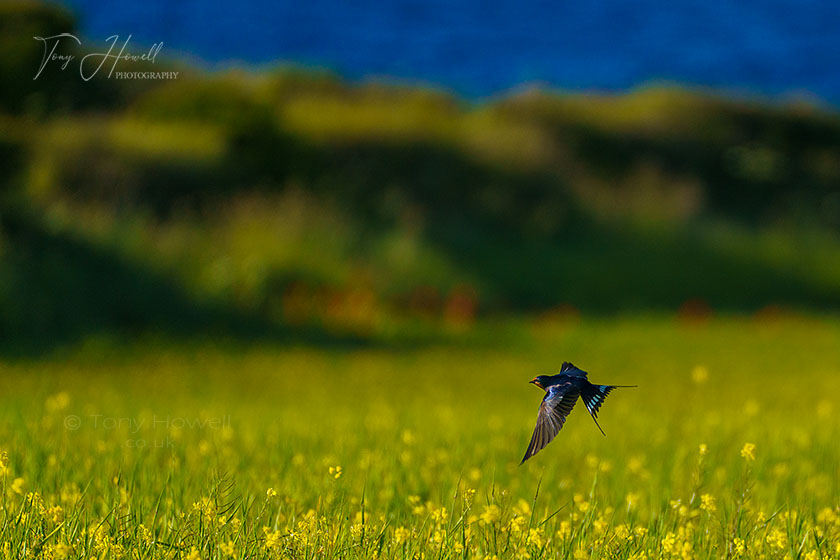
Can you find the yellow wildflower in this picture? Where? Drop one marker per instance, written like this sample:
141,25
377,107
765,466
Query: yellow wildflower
707,503
228,549
777,539
622,532
535,538
336,471
748,451
669,543
738,547
101,539
17,486
518,523
55,513
491,514
401,535
274,539
522,508
439,515
469,493
145,535
827,516
565,529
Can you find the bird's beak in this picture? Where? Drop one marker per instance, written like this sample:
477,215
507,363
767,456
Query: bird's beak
537,383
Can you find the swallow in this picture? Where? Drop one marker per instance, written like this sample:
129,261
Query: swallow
561,394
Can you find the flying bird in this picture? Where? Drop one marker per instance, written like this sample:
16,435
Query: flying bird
561,394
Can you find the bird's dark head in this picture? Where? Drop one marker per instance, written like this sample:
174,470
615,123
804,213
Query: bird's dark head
541,381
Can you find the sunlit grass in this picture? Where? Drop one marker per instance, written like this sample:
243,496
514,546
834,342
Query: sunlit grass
172,450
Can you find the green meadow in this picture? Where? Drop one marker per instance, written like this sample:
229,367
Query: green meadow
278,315
155,450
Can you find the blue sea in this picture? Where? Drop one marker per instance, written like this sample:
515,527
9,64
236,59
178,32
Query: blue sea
777,48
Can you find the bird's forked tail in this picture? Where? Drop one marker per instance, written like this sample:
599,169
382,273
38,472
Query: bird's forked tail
593,396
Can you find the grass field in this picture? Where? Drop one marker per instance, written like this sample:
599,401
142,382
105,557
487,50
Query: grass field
229,450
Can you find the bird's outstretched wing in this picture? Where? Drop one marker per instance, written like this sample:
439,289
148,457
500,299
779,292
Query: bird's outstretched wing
555,407
568,368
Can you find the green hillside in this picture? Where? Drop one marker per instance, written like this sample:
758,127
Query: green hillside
288,200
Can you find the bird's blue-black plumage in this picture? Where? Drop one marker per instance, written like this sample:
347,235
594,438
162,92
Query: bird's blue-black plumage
568,368
561,394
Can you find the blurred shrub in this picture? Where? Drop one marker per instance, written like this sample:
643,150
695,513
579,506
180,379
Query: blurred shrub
223,100
128,164
750,162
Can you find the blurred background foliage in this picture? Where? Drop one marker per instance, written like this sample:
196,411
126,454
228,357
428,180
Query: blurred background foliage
288,203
